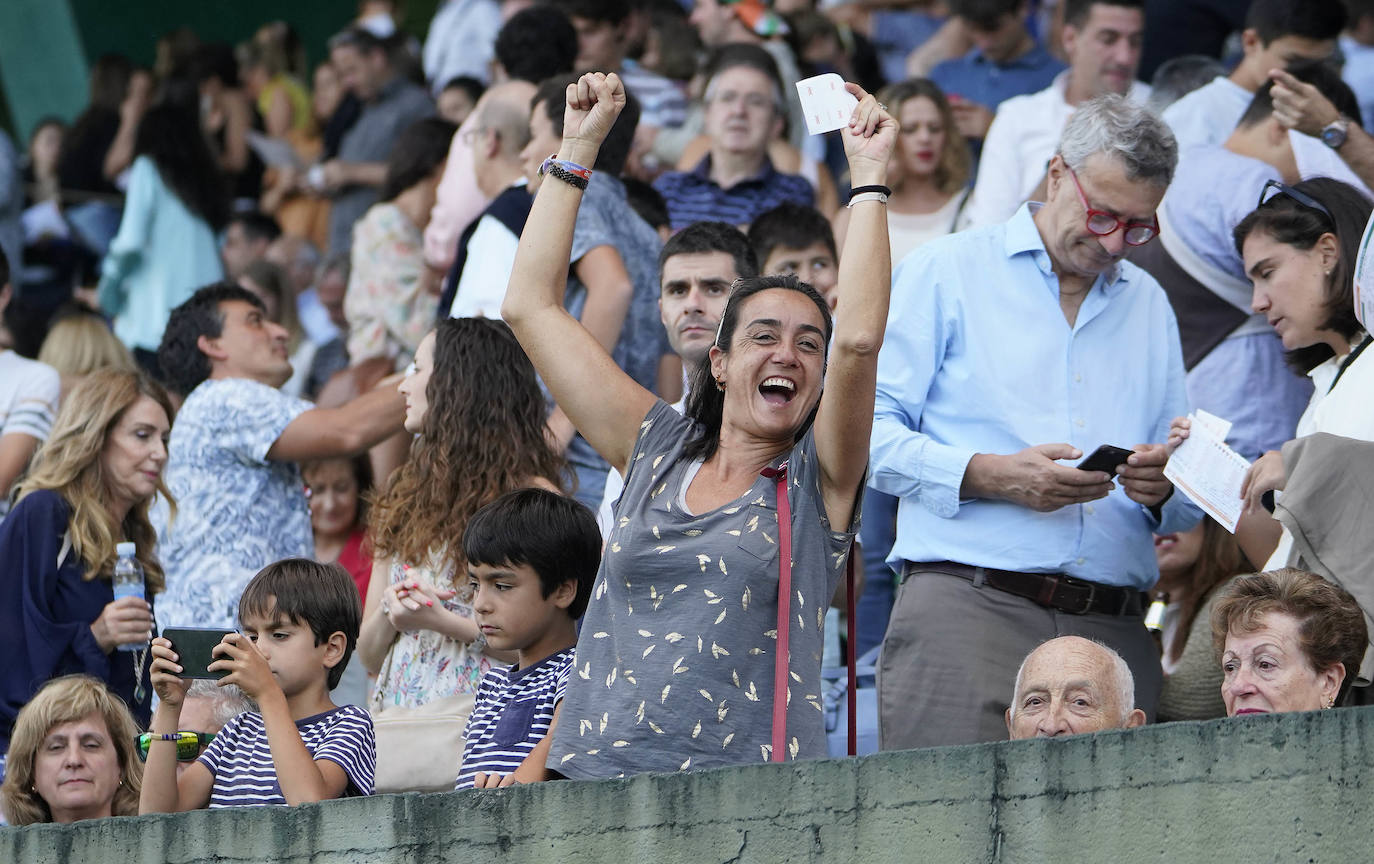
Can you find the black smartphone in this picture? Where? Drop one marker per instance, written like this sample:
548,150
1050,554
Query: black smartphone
1105,459
195,647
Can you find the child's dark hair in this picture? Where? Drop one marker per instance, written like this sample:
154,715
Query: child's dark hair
791,226
322,596
555,535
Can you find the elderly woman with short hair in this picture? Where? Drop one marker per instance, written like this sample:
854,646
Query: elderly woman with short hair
72,756
1288,640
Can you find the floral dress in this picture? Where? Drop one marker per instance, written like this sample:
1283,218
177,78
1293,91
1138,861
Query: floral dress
424,665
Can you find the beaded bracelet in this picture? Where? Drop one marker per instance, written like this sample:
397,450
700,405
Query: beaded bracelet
569,172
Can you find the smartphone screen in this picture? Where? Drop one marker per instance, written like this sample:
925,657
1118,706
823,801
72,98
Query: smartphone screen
195,647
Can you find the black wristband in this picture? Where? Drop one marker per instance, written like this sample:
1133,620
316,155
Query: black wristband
567,176
858,190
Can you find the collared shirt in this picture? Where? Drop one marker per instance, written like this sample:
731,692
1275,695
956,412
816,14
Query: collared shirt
979,358
977,78
692,196
1020,143
237,510
397,104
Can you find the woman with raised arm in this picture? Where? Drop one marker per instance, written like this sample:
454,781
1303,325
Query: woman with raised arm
676,657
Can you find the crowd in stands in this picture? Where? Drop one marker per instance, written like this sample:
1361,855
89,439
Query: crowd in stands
539,401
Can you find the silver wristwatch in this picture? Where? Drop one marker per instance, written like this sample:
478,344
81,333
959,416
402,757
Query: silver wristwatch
1333,134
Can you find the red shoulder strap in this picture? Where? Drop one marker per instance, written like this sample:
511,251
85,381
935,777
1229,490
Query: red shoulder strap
781,657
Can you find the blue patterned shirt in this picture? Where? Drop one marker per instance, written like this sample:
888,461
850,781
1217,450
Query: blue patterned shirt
237,511
692,196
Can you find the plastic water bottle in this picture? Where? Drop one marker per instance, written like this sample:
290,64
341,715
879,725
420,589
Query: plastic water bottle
128,582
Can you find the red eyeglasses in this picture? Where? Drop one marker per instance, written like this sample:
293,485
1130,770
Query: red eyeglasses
1103,223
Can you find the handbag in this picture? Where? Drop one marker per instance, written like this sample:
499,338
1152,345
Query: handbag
421,749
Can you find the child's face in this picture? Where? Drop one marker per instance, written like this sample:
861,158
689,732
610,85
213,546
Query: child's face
813,264
297,663
511,609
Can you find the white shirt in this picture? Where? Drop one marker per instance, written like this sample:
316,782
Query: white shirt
1020,143
1209,114
461,41
29,393
491,255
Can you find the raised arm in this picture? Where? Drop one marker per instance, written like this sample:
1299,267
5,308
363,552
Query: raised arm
604,403
845,417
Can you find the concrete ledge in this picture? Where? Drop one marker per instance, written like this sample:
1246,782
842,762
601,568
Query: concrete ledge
1285,788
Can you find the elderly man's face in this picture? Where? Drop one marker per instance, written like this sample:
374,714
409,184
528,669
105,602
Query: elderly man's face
1069,686
1063,221
742,111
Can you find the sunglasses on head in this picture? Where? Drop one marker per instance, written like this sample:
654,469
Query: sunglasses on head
189,744
1301,197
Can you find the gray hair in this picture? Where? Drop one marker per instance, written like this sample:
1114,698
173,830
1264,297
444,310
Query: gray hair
1121,677
227,702
1118,128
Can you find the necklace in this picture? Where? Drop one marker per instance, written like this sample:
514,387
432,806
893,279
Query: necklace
140,692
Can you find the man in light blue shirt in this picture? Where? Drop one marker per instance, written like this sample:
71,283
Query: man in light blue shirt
1009,348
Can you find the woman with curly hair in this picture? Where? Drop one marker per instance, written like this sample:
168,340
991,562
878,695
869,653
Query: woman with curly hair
89,489
474,404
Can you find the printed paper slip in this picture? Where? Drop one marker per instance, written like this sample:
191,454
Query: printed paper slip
1208,471
825,102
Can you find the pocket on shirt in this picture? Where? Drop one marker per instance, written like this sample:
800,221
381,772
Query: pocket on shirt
758,532
514,725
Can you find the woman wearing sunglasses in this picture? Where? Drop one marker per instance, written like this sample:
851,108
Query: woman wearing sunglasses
72,756
1299,247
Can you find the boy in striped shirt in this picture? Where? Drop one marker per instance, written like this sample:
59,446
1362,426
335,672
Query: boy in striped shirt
300,624
532,555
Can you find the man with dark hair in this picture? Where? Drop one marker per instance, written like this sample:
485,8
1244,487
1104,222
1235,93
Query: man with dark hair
1101,39
736,181
533,45
697,268
1005,61
232,459
246,238
613,280
1278,34
390,104
797,240
603,34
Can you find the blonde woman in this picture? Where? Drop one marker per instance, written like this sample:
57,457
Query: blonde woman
79,343
929,170
89,489
75,725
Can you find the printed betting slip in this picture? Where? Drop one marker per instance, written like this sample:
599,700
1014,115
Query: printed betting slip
1208,471
825,102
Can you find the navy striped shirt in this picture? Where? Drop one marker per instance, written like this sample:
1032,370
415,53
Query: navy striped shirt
692,196
511,715
241,760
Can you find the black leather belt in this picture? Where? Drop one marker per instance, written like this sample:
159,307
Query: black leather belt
1051,590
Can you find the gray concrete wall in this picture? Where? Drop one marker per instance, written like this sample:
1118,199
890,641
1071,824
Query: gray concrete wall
1287,788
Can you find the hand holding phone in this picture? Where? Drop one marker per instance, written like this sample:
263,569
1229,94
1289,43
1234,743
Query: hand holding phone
1105,459
195,649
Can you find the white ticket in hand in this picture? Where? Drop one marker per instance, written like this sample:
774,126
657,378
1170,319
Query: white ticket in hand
1209,472
825,102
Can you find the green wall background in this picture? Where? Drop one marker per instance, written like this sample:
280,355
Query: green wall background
46,46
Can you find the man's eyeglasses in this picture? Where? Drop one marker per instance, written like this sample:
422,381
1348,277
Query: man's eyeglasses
1301,197
189,744
1103,223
